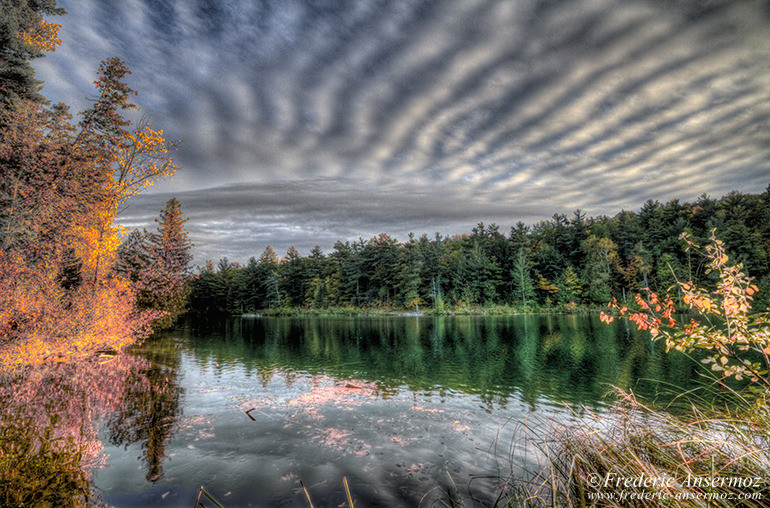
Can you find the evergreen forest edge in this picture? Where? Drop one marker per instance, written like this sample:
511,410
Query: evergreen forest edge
561,264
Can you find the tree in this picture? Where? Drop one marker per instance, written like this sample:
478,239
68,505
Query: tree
601,257
270,289
382,254
127,160
171,245
293,277
410,281
133,257
226,286
641,262
475,276
570,287
24,35
47,190
158,264
737,342
60,189
522,287
351,273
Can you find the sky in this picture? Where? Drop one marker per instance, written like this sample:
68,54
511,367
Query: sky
302,122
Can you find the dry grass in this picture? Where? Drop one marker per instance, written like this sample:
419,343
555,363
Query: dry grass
647,457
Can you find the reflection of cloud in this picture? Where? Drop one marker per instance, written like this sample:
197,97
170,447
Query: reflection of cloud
514,110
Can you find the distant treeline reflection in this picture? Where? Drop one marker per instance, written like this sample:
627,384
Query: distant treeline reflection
558,357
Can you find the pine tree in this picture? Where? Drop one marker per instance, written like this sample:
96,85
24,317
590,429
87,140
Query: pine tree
24,35
158,264
521,277
271,292
171,245
569,285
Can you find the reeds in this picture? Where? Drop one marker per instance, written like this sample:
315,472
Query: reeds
647,457
348,495
710,457
204,493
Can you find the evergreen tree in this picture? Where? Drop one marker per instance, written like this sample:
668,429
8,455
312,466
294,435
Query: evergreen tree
247,282
171,245
410,282
350,272
382,254
268,266
24,35
522,289
294,274
226,287
570,287
475,276
158,264
204,296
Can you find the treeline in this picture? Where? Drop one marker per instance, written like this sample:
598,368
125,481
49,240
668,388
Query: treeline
63,180
562,262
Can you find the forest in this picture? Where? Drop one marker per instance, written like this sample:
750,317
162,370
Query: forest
562,263
64,178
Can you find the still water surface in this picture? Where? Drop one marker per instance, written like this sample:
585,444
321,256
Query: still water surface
248,407
252,409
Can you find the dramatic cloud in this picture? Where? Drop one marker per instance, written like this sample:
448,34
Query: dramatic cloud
307,121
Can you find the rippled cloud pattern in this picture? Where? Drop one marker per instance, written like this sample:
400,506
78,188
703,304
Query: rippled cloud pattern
307,121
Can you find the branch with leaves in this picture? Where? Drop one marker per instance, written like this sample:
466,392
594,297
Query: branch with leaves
738,341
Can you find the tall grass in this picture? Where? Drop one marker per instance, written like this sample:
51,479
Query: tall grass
646,457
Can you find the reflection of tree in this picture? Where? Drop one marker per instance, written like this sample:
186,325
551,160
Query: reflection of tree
410,350
48,441
151,405
527,356
571,358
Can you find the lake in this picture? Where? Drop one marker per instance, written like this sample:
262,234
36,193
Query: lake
404,408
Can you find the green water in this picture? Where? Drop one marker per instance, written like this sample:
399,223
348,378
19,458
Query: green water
537,359
249,407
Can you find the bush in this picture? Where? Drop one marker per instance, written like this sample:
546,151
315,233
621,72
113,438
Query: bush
40,321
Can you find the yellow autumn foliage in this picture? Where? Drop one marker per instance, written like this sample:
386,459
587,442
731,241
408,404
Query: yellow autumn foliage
43,37
142,160
63,184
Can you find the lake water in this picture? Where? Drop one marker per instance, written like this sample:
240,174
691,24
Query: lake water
404,408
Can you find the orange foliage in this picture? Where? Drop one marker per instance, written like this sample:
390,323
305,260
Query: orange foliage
726,328
40,321
43,37
60,188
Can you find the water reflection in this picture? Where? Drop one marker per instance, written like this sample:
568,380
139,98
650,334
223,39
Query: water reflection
542,359
49,416
248,407
150,404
